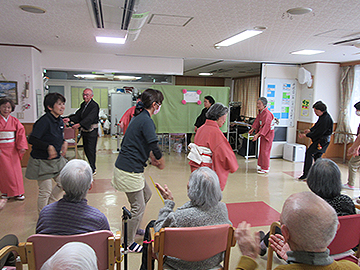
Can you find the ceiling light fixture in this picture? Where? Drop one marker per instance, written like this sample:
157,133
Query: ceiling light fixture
205,74
111,40
239,37
299,11
307,52
88,76
126,78
110,36
32,9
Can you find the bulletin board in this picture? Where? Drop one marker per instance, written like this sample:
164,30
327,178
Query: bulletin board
281,94
177,117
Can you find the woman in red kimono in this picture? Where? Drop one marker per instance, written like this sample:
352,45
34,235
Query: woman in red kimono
127,116
211,148
264,128
13,145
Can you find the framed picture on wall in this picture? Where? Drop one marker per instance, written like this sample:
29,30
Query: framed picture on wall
8,89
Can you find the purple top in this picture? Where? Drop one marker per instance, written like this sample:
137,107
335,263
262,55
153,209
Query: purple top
67,218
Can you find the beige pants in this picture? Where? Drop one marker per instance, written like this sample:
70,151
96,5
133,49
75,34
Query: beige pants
138,201
354,165
47,193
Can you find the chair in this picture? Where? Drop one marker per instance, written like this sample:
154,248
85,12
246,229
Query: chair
270,249
346,238
193,243
40,247
5,250
70,135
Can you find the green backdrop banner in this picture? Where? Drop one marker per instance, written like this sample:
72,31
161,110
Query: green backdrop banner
175,117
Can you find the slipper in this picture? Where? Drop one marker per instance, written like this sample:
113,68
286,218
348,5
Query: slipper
135,247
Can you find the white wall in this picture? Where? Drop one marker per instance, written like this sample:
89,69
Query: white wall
326,87
20,64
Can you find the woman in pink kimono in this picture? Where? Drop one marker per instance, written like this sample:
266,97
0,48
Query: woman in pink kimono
264,128
211,148
13,145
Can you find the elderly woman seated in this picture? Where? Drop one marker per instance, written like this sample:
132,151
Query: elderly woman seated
211,148
324,179
203,209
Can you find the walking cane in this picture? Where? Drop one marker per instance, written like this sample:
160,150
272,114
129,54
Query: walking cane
126,215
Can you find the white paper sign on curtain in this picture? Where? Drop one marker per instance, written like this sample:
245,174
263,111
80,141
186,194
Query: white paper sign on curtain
191,97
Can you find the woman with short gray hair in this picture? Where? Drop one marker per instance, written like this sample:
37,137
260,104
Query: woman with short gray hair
324,179
204,209
264,128
76,178
211,148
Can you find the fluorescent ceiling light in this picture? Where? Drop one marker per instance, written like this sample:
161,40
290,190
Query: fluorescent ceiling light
88,76
308,52
126,78
205,74
32,9
239,37
112,40
299,11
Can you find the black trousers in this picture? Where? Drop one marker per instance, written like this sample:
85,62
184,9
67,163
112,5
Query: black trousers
313,153
89,142
8,240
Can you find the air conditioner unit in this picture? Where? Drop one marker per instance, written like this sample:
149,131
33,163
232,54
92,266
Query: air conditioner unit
110,14
294,152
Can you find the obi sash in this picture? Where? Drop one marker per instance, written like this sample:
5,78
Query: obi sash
7,136
199,154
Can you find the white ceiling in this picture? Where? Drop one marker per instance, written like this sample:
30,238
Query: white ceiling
68,25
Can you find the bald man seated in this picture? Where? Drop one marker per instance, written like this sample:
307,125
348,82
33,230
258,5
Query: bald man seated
309,224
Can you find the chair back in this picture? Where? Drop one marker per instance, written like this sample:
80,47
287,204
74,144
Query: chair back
70,135
348,235
45,245
270,251
196,243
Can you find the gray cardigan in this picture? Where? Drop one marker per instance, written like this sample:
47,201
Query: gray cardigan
190,215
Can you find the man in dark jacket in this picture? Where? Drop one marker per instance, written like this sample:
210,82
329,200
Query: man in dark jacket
87,118
319,134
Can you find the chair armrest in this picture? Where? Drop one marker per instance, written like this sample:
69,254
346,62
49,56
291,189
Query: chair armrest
30,255
156,243
233,240
118,246
22,252
5,250
152,235
150,249
270,249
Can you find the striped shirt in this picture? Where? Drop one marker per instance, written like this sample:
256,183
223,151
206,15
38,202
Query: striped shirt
67,218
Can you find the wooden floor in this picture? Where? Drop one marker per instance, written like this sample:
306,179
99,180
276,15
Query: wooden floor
245,185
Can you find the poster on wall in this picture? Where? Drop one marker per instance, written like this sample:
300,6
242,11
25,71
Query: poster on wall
9,90
306,98
281,94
